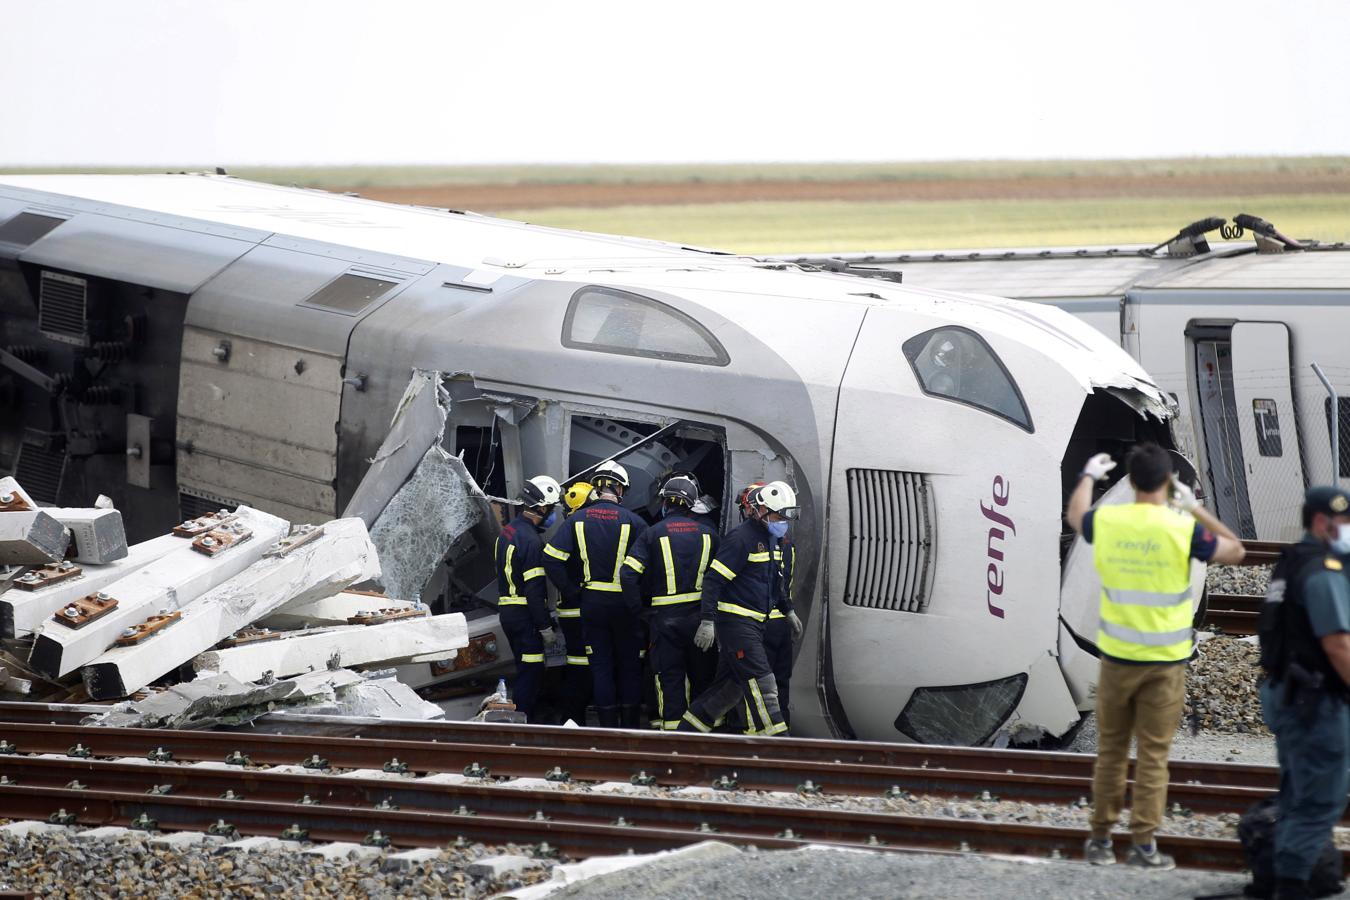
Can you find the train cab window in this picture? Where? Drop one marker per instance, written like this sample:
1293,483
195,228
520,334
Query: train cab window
613,321
956,364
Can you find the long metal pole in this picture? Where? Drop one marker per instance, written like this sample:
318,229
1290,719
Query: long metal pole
1334,425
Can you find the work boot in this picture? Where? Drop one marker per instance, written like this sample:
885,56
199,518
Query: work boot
1099,852
608,716
1147,856
1291,889
630,716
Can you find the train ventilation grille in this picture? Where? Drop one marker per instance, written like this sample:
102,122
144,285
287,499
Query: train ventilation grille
190,506
41,469
62,301
890,531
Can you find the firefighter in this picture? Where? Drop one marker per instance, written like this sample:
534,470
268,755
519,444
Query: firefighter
664,571
585,560
522,602
739,591
577,673
577,495
778,630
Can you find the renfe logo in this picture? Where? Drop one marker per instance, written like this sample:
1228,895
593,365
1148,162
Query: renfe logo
994,545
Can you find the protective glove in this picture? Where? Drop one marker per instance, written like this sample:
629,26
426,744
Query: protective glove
1183,498
703,638
1098,467
796,624
550,637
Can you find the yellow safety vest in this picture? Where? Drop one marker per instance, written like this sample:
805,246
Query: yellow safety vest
1143,552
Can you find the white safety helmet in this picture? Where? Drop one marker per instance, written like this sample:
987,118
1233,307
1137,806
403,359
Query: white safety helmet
541,490
609,471
776,496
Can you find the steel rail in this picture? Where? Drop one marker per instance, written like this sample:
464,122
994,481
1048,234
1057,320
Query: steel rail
576,838
1262,553
810,758
601,754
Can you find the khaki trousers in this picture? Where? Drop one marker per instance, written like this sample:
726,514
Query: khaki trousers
1143,701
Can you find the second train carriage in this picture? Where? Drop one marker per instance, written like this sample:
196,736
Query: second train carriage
186,341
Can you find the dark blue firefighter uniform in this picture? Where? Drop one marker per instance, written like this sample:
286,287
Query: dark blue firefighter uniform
664,571
739,591
1311,726
777,631
585,560
522,606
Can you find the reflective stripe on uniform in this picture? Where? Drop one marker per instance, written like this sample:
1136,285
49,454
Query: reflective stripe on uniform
738,610
512,601
776,613
717,566
703,561
531,657
669,725
506,569
578,661
670,564
673,599
758,557
1147,598
695,721
1147,638
634,564
660,696
569,612
531,574
777,728
610,587
556,553
759,704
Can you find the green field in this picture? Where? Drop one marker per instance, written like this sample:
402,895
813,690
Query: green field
790,227
419,176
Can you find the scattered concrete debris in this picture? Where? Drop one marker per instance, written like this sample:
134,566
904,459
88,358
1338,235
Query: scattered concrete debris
160,589
379,696
410,640
31,537
23,608
96,535
337,555
338,609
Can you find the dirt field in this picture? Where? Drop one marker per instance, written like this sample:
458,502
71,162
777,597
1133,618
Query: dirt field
504,197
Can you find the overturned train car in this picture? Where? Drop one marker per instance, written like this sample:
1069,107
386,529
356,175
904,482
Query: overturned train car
183,342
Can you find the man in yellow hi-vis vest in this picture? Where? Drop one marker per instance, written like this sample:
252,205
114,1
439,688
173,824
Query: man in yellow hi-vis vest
1142,552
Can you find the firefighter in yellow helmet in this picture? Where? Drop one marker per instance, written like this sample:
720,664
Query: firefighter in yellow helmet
578,495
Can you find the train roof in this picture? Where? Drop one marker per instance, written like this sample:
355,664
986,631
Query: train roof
1053,272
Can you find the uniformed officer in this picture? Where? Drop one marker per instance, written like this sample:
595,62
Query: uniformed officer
1142,551
585,560
779,630
664,572
576,687
1305,649
739,591
522,603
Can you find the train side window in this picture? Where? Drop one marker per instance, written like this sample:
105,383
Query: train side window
1267,420
955,363
613,321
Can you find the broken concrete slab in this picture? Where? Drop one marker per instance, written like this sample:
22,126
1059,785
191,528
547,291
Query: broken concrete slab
221,700
498,867
31,538
378,695
22,611
109,833
409,640
334,610
30,829
179,840
340,555
167,584
96,535
338,851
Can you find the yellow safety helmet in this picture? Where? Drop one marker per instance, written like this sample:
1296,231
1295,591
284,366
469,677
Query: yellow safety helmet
577,494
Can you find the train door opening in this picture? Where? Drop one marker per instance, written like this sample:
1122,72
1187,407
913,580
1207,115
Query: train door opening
1221,439
1251,451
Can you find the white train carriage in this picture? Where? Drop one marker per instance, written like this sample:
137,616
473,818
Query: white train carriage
1232,332
249,343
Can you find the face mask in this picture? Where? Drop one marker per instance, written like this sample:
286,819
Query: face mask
1341,542
549,520
777,529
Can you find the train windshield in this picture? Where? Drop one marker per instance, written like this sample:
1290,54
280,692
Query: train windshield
956,364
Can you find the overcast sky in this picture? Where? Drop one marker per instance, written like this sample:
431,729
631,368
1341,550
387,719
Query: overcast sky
235,82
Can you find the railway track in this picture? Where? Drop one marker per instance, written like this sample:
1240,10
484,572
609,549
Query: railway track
1262,553
1233,613
109,787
